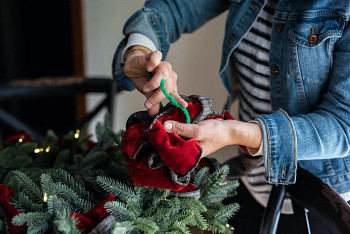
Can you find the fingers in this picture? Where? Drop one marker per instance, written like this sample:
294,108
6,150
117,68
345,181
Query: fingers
179,99
185,130
155,97
162,71
153,59
152,112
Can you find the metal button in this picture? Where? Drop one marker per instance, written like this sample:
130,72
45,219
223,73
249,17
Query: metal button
312,39
279,27
274,71
255,6
230,40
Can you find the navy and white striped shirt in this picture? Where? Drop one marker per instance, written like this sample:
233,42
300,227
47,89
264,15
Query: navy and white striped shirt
251,61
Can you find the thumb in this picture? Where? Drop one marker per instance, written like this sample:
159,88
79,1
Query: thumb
183,129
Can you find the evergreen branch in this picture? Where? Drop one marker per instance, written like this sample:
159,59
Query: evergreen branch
54,205
216,197
69,195
30,217
191,204
217,227
38,227
24,204
28,186
174,206
159,196
117,137
121,170
179,227
201,222
145,225
221,190
64,177
116,188
61,158
185,218
201,176
51,136
65,224
212,184
134,206
226,212
47,184
122,227
120,211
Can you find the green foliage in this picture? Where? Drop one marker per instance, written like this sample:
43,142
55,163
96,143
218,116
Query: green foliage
120,210
116,188
37,222
28,186
201,176
2,226
62,177
16,157
44,204
139,206
65,224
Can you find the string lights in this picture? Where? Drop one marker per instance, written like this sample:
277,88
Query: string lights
76,135
45,197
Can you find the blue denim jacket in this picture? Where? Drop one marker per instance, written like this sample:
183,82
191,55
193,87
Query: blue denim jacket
310,76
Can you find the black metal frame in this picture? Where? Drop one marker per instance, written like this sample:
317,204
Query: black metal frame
311,193
13,92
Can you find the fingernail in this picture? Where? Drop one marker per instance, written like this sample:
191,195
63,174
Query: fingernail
149,68
168,127
146,90
148,105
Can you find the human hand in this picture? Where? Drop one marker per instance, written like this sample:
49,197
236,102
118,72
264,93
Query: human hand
213,134
136,68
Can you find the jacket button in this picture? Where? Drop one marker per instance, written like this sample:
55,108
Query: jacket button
230,40
312,39
274,71
279,27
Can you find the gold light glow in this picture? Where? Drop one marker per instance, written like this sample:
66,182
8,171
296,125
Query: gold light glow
76,135
38,150
45,197
47,149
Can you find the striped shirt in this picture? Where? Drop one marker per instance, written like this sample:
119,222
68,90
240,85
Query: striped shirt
251,60
252,64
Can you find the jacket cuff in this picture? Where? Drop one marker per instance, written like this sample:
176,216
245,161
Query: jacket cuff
147,22
139,39
280,147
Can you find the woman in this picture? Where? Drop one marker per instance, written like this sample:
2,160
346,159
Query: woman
292,61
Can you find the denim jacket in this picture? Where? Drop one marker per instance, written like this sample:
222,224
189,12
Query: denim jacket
309,79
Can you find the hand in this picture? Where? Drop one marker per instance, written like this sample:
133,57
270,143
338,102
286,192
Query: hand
213,134
136,68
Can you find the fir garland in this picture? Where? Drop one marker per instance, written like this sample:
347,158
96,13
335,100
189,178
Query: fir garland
63,177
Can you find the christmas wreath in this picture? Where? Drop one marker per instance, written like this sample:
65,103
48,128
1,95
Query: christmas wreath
123,183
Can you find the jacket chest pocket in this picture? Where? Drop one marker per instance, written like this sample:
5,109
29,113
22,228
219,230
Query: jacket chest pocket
312,42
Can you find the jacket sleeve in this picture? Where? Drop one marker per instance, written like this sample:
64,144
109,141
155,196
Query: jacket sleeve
163,22
321,134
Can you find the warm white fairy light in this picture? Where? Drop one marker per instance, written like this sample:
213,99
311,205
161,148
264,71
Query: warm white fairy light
229,227
47,149
45,197
76,135
20,140
38,150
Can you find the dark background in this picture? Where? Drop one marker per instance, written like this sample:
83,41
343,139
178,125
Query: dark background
39,39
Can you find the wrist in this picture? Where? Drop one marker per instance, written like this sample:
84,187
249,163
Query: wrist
134,51
247,134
